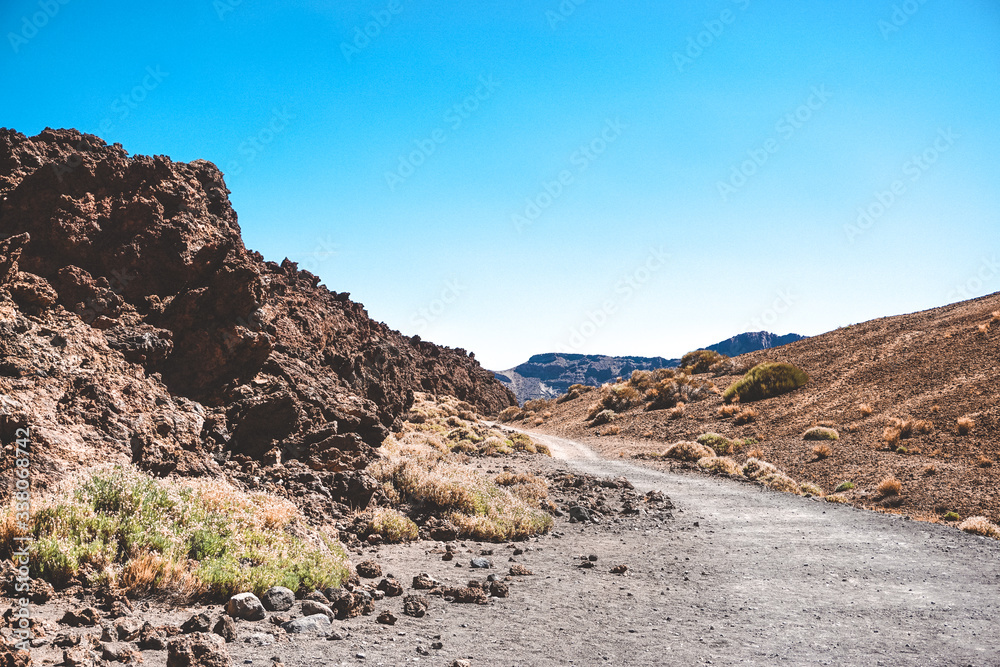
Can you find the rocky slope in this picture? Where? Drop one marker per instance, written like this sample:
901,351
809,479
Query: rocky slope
135,326
550,375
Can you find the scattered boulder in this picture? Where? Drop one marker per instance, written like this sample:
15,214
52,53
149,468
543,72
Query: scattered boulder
499,589
391,587
151,638
369,569
79,656
197,623
84,617
318,596
423,582
278,598
246,606
225,628
465,595
198,650
621,568
415,605
386,618
13,657
579,514
310,608
481,563
518,570
314,624
127,629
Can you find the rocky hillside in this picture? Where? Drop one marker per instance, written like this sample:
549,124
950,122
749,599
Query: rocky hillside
751,342
550,375
135,326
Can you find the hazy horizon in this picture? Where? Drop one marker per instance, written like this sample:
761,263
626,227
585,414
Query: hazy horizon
628,179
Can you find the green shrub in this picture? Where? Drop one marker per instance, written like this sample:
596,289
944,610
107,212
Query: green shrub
844,486
603,417
390,524
700,361
765,381
722,445
952,516
820,433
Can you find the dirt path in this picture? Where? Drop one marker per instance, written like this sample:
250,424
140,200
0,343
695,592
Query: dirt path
779,578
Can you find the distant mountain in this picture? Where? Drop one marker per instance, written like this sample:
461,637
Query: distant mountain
550,375
751,342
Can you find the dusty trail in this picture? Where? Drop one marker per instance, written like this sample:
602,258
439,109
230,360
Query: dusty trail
800,581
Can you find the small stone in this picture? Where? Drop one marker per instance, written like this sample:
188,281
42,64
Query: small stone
198,650
578,513
225,628
278,598
310,608
315,624
246,606
499,589
461,663
518,570
260,638
369,569
415,605
317,596
422,582
621,568
481,563
391,587
386,618
197,623
127,629
151,638
85,617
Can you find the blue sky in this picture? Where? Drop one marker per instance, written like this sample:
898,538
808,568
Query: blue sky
617,178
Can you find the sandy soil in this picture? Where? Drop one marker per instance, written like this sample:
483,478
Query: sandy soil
737,576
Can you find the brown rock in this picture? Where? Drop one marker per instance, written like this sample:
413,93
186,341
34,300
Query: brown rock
386,618
518,570
465,595
415,605
369,569
225,628
83,617
391,587
198,650
423,582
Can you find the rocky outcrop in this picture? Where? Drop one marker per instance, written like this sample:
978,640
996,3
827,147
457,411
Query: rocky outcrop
752,342
135,326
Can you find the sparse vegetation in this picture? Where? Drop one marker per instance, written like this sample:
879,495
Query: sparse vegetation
821,433
701,361
889,486
984,461
810,489
844,486
614,429
837,498
602,417
390,524
745,416
686,450
765,381
720,464
951,516
575,391
723,446
865,410
729,410
822,451
197,539
965,425
905,428
980,525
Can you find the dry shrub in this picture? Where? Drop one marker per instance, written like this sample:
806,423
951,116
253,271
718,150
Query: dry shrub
755,453
538,404
510,414
680,388
984,462
686,450
820,433
810,489
755,468
905,428
837,498
930,470
890,435
995,315
984,328
729,410
779,481
745,416
525,486
980,525
865,409
538,421
701,361
614,429
822,451
676,412
602,417
722,445
890,486
720,464
390,524
965,425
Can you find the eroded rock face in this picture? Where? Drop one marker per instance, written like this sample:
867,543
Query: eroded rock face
135,326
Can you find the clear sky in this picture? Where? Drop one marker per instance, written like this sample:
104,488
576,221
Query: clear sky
521,177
